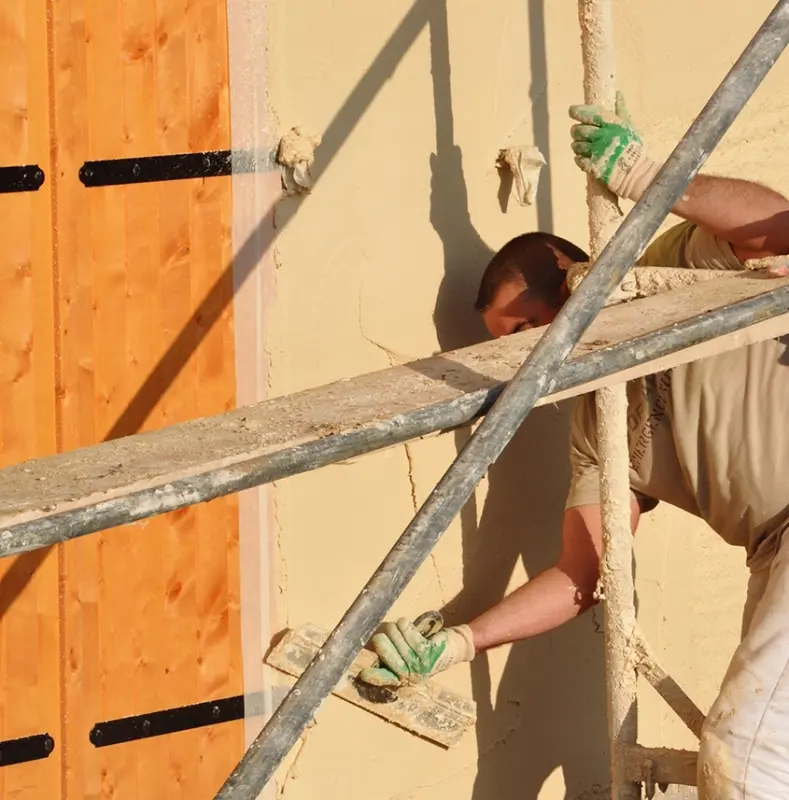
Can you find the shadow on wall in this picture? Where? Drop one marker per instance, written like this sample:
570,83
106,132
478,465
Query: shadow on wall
549,710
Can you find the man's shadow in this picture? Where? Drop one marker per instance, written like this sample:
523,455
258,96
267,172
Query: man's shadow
548,712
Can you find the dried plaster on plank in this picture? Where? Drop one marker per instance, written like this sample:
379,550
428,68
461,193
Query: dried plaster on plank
130,464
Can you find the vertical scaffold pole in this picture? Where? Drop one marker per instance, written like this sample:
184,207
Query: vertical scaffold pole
597,43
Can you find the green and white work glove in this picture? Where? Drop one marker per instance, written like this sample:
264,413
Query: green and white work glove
608,147
407,657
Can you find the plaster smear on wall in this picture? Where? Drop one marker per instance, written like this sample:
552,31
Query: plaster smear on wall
378,265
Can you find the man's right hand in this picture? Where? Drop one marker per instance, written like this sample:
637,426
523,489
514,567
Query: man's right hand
608,147
407,657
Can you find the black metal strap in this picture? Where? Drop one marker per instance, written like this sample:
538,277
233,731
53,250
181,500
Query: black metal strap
181,166
28,748
29,178
160,723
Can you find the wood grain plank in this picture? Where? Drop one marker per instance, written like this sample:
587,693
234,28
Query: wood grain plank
134,274
181,555
217,573
146,314
76,45
296,433
29,641
102,618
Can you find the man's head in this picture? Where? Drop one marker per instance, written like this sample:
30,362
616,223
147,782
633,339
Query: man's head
524,284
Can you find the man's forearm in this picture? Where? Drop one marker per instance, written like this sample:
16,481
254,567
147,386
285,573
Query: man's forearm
558,594
751,217
548,600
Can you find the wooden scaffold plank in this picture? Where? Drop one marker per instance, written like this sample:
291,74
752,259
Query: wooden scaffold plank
116,482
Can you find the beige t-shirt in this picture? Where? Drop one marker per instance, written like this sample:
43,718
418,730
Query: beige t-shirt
710,437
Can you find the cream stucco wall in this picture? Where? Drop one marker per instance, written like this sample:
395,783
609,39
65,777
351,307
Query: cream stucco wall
379,265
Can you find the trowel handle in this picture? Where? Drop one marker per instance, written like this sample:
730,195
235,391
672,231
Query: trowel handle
429,623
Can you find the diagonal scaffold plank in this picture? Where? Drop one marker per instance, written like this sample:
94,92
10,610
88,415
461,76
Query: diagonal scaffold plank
94,488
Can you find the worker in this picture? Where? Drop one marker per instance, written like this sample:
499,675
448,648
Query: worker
710,437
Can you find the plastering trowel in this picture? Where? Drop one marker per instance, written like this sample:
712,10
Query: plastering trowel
426,709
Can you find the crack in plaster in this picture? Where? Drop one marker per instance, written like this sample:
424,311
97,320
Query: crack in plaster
501,740
441,592
394,360
269,366
410,792
292,772
595,792
411,482
282,570
415,503
392,357
598,626
268,353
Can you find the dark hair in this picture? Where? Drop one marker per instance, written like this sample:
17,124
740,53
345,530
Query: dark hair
531,258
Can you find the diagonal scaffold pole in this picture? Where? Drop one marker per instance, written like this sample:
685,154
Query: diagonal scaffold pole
616,568
534,378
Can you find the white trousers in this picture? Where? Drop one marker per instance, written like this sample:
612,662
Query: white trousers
744,750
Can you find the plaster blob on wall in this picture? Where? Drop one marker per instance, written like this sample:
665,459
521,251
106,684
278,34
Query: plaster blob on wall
296,153
525,163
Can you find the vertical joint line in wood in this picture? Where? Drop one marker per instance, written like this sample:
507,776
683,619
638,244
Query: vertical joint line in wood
54,171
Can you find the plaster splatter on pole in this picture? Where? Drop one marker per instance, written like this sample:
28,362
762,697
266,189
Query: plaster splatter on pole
596,18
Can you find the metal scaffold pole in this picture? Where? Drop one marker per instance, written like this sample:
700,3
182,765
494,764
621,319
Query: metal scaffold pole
597,49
